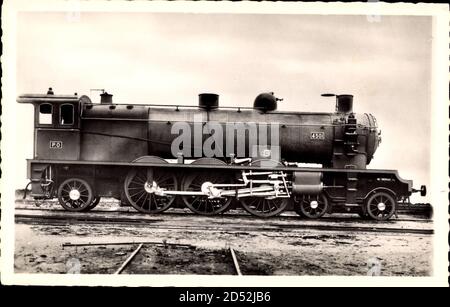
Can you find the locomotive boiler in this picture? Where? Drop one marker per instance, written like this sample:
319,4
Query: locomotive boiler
331,139
210,158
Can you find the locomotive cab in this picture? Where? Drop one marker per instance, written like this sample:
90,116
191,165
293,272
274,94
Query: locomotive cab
56,125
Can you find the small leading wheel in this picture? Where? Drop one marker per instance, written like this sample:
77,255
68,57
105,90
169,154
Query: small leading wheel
141,187
202,204
312,206
75,194
380,206
94,203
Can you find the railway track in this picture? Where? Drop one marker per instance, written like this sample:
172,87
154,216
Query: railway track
235,213
218,224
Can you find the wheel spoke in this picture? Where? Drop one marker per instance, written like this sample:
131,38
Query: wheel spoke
139,192
253,200
162,179
196,199
144,201
209,206
258,204
153,204
275,205
137,183
139,178
140,197
135,188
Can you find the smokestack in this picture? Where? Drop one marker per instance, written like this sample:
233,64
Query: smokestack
344,103
208,101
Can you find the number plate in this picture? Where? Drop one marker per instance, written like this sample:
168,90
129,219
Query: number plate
56,144
317,136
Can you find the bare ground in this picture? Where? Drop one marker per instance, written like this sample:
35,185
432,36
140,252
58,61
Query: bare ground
39,249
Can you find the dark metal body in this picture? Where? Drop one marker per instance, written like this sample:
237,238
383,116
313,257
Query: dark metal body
104,140
108,132
125,133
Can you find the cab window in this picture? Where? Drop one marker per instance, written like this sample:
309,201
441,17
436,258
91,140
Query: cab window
45,114
66,114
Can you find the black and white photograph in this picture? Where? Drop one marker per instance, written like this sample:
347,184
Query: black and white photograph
203,144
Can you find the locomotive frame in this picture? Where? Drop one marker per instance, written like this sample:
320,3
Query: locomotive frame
207,185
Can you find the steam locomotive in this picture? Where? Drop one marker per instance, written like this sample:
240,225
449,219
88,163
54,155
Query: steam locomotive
210,158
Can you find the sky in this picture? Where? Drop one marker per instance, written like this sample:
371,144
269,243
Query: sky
169,58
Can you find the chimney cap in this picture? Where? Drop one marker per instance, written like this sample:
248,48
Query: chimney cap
105,94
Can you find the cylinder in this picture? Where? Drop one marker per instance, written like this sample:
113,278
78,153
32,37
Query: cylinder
307,183
344,103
